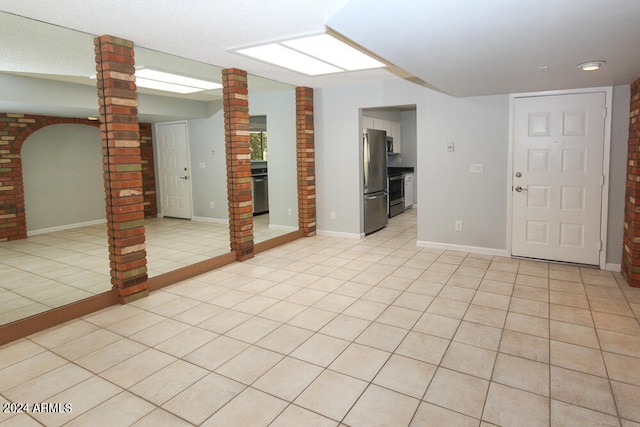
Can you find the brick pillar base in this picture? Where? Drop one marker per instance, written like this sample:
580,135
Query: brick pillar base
305,154
122,166
631,237
236,125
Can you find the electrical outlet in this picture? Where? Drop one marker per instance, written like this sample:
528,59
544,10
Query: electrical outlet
450,146
333,216
458,225
212,205
290,212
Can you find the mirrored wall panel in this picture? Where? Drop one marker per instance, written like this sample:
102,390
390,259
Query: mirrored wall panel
63,258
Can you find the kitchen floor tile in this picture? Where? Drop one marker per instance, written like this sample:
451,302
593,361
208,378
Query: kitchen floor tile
331,394
423,347
297,416
167,382
583,359
383,337
508,406
623,368
478,335
191,405
527,346
405,375
429,414
626,396
587,391
523,374
434,324
469,360
288,378
320,349
445,388
574,334
249,365
250,408
565,414
423,337
380,406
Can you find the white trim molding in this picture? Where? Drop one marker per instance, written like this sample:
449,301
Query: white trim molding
463,248
65,227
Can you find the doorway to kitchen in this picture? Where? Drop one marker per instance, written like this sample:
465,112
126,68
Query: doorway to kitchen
399,122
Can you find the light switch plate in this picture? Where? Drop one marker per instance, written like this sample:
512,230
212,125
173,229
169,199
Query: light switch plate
477,168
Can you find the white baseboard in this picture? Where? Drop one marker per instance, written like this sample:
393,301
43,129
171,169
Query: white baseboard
282,227
463,248
208,219
65,227
613,267
339,234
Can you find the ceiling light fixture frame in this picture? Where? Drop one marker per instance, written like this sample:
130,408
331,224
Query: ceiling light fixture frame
594,65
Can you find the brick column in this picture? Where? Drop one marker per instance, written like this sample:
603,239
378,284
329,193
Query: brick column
305,154
631,237
119,131
236,125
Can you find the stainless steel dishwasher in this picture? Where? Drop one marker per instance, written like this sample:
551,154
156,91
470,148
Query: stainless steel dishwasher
260,193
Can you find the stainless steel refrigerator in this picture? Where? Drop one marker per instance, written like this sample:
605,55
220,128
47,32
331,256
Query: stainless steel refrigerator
374,153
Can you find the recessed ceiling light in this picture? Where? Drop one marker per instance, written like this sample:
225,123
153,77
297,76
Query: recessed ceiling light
591,65
313,55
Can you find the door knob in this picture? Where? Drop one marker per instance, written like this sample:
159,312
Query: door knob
184,177
518,174
520,189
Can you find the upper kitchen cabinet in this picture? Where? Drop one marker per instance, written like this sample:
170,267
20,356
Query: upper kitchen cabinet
392,127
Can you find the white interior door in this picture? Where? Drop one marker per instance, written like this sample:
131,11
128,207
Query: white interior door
173,170
558,177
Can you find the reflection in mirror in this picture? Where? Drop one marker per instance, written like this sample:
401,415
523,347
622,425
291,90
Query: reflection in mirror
64,256
189,166
274,176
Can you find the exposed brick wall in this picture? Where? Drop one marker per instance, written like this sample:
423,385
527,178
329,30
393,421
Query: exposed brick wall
305,153
148,171
14,131
631,237
235,95
120,134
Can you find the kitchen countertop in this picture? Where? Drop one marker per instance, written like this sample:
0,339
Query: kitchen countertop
397,170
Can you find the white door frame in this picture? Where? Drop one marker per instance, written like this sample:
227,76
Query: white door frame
606,156
155,165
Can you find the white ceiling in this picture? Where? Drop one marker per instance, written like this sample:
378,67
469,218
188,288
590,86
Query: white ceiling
461,47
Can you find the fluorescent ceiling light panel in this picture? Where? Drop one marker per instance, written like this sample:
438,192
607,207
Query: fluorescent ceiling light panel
161,76
167,82
314,55
166,87
334,51
288,58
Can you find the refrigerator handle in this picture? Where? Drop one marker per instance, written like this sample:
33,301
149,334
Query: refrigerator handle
367,158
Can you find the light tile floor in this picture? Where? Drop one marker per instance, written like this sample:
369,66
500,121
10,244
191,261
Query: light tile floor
50,270
327,331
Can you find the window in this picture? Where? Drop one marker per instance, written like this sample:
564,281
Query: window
258,137
258,144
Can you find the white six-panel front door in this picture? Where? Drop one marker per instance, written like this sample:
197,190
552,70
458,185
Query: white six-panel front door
557,177
173,170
